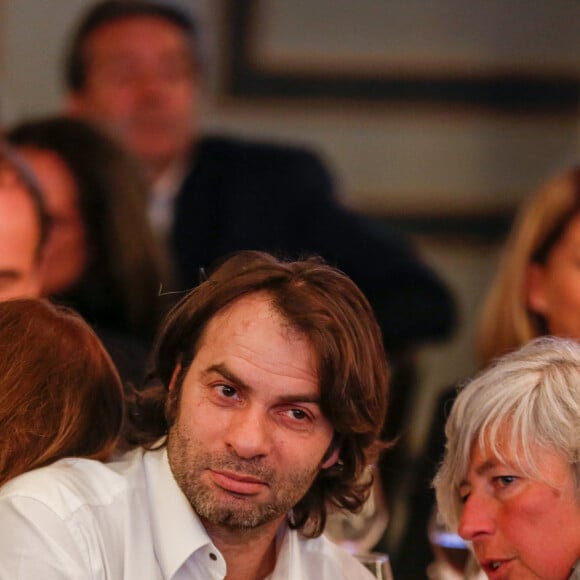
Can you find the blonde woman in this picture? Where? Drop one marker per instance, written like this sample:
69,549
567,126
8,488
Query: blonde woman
537,287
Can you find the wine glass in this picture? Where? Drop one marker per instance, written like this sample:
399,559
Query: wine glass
378,563
450,550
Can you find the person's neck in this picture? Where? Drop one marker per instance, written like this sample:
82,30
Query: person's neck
249,554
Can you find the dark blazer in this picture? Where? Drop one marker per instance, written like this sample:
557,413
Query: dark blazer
246,195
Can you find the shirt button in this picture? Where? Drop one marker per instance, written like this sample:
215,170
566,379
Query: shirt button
213,556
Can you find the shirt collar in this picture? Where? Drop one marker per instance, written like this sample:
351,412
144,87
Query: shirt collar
167,185
177,531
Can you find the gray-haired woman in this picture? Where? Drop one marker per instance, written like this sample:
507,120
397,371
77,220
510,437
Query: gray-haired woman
510,479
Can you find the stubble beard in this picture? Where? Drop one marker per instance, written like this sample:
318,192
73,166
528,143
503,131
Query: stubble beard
232,511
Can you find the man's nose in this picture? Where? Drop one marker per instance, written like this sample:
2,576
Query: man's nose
478,518
249,432
151,84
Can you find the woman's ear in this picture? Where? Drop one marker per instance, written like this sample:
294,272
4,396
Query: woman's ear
535,289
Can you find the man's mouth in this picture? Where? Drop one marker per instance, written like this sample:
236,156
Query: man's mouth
238,483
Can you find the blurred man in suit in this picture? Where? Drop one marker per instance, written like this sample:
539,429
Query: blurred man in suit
135,68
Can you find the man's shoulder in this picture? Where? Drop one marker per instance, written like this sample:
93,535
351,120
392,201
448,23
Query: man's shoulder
220,149
236,144
71,483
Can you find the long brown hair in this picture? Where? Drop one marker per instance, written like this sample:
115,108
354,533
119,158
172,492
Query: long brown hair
60,394
330,310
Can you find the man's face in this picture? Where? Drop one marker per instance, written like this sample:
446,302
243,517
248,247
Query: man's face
19,238
249,437
141,85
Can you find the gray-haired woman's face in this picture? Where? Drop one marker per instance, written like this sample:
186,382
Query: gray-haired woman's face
520,527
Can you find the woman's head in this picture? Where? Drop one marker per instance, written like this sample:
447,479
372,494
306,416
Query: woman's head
60,394
535,287
100,250
510,478
65,256
23,228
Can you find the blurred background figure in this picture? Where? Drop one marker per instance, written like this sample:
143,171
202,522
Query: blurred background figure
23,229
509,480
135,69
60,394
537,287
100,256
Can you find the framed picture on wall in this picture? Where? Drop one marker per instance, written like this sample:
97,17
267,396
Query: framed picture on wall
514,55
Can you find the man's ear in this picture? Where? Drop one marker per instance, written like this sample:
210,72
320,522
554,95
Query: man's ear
535,289
331,457
174,376
73,104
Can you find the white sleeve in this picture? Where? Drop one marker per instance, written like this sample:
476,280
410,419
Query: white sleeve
36,543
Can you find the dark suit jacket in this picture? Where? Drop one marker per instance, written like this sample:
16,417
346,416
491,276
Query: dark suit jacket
245,195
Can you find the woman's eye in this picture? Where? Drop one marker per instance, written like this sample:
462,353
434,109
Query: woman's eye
463,493
505,480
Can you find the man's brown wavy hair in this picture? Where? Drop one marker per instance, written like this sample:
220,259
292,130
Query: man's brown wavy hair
325,306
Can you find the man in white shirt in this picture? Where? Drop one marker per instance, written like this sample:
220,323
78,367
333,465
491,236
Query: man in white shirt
270,382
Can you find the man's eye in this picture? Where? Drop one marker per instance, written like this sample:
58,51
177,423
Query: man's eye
177,73
298,414
123,76
226,391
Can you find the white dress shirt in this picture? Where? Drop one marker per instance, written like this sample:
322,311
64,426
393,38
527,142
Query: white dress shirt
128,519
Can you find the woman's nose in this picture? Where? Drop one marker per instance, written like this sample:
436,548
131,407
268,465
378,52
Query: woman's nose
478,518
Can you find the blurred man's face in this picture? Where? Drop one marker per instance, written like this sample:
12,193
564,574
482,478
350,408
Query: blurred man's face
142,85
19,238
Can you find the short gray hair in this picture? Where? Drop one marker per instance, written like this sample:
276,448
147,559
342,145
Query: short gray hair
534,392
